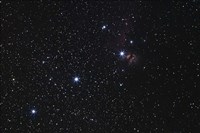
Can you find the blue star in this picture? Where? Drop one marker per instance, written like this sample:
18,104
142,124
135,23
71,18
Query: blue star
76,79
122,53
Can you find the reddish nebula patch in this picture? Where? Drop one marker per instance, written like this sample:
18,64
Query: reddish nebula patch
131,58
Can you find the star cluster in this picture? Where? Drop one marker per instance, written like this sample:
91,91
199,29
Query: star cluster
100,67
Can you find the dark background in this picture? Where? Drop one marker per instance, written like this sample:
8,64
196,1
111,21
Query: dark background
44,45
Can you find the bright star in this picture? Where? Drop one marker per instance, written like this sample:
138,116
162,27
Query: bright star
122,53
131,41
76,79
33,111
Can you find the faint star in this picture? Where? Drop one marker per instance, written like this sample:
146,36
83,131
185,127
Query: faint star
121,84
103,27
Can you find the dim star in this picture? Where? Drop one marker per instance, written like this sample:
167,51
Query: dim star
103,27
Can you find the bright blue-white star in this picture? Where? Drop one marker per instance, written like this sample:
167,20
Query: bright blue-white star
131,41
76,79
33,111
122,53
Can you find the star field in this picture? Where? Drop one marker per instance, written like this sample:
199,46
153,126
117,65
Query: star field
100,67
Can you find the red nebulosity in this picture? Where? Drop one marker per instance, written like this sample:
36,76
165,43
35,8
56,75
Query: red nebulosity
118,34
125,29
131,58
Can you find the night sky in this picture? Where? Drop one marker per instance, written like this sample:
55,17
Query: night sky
100,67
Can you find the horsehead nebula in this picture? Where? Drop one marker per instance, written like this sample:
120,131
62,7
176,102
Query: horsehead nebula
131,58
